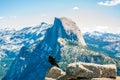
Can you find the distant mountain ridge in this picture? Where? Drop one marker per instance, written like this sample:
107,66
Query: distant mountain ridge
104,42
12,40
17,38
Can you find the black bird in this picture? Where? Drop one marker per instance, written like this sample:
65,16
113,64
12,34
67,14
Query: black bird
52,61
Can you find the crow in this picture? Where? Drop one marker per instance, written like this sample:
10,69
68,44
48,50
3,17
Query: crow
52,61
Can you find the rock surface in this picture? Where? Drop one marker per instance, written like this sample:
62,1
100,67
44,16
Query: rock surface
55,72
90,70
84,71
86,79
71,26
49,78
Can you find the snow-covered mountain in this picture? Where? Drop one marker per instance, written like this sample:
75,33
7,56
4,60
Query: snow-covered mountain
108,43
63,40
32,61
12,40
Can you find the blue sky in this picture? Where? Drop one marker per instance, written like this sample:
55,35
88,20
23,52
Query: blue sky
102,15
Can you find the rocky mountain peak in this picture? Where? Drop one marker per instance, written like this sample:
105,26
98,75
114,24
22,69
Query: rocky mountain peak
32,63
70,29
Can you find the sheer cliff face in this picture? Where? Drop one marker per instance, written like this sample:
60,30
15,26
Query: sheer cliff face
71,27
32,63
65,28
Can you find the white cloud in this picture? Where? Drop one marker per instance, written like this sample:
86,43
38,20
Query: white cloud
43,15
100,28
13,17
109,3
75,8
1,17
96,28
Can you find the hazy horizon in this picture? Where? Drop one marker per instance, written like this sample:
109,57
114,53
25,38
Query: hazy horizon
90,15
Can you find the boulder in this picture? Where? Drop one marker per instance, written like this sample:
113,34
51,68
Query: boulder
102,79
49,78
55,72
65,77
90,70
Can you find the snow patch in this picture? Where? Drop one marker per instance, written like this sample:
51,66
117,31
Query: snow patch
22,58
